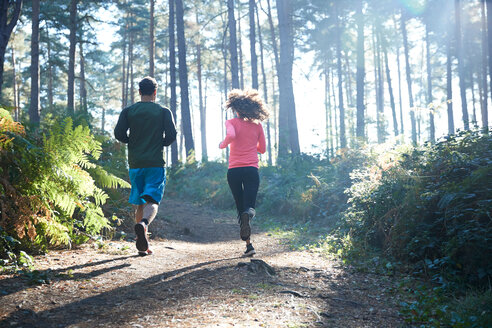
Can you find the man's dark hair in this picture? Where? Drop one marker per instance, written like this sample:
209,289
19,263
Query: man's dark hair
147,86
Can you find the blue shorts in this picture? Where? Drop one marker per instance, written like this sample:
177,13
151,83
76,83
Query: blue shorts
149,181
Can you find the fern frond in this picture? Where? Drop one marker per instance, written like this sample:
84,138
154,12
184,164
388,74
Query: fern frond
107,180
56,233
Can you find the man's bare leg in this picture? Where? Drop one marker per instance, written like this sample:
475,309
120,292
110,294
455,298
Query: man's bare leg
144,215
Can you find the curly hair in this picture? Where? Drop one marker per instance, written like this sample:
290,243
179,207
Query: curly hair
247,104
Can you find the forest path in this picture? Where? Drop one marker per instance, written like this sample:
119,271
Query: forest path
196,278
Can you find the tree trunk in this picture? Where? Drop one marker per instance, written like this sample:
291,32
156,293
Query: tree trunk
123,80
449,84
380,88
474,100
360,73
461,72
274,39
252,45
83,89
172,82
489,45
330,118
152,40
240,46
409,79
390,86
485,41
50,70
430,98
203,116
327,112
275,110
6,28
71,56
343,138
400,102
130,61
183,80
14,84
34,106
265,87
289,136
335,124
233,44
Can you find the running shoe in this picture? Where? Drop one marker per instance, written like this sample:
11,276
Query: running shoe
250,251
142,241
245,229
145,253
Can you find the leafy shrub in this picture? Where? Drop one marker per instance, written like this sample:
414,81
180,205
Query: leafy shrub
430,206
50,190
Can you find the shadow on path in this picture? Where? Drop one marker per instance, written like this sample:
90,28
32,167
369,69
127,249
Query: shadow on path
118,306
18,283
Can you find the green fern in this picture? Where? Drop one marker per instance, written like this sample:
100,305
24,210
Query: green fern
64,175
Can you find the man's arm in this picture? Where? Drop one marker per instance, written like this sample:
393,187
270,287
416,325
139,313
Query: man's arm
169,127
121,128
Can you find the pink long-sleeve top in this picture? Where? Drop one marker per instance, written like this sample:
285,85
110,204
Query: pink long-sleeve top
246,139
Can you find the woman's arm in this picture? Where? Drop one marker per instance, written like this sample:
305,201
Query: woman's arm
261,147
230,135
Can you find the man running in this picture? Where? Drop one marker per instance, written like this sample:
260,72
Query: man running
151,128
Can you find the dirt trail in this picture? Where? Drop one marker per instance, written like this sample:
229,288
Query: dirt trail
196,278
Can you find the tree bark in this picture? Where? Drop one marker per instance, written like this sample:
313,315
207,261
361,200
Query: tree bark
400,102
240,46
71,56
360,73
409,79
83,89
390,86
6,28
265,87
123,80
183,80
485,93
380,88
152,40
343,138
489,45
272,35
50,70
130,61
203,115
461,72
172,79
335,120
430,97
14,83
330,118
252,45
289,138
474,100
449,85
34,106
233,44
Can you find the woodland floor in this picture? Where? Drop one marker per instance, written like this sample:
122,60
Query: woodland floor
196,278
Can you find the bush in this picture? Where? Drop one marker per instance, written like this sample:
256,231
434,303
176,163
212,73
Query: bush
430,206
51,185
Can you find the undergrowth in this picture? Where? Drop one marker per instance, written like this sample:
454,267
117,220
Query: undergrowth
51,187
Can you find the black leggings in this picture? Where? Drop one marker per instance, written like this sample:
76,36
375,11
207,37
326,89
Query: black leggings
244,183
